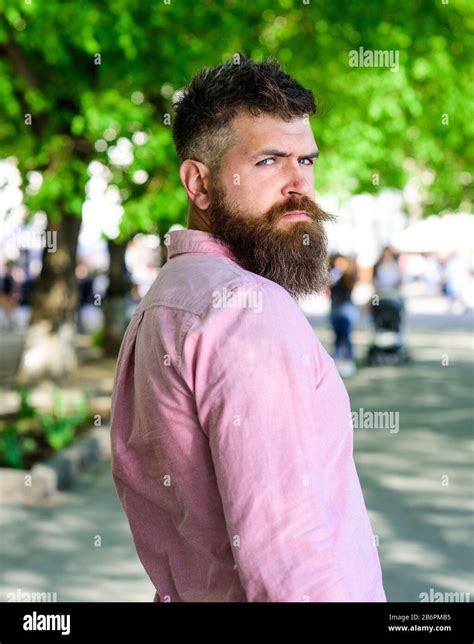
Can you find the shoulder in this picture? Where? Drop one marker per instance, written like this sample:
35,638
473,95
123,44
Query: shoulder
250,295
251,310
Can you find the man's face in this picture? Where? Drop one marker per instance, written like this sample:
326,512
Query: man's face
265,176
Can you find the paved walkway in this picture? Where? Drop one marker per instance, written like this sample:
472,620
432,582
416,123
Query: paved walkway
423,519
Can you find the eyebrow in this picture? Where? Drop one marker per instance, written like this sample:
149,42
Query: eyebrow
280,153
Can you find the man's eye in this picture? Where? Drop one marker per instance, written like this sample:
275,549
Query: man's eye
263,161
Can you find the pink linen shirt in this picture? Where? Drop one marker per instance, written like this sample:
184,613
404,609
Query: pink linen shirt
232,442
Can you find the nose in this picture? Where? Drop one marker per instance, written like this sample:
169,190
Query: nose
297,182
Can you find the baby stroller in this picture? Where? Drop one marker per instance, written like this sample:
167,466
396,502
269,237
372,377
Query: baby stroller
388,344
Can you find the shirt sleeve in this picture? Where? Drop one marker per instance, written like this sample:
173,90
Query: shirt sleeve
256,400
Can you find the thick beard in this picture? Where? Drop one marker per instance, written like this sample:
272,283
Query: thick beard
294,255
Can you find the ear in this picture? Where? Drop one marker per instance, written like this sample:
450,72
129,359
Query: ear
194,176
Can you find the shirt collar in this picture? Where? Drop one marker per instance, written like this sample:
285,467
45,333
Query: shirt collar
196,241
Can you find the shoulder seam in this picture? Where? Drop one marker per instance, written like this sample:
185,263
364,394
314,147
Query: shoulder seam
168,305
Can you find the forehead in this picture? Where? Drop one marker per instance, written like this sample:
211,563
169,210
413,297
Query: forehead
258,132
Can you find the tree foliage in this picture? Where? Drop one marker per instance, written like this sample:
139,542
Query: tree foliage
88,72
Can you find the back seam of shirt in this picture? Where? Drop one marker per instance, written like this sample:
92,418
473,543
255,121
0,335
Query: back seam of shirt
169,305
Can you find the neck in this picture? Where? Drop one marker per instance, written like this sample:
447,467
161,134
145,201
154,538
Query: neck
197,220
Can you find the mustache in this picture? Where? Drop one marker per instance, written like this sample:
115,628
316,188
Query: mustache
304,204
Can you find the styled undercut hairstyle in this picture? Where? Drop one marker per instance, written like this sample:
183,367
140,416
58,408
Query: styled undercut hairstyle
202,128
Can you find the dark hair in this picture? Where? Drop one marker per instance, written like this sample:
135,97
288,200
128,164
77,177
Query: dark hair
205,108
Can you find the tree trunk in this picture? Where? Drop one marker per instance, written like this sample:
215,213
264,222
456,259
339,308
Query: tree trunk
49,344
115,303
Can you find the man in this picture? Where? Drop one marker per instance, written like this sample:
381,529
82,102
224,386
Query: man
231,430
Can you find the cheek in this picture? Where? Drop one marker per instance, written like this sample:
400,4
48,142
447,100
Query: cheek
259,191
250,193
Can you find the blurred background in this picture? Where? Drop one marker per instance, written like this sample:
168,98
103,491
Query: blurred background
89,187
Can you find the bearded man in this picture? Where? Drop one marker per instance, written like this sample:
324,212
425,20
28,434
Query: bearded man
232,441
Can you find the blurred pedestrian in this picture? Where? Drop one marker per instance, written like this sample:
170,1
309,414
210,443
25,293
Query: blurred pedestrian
455,279
387,272
342,277
388,307
9,293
